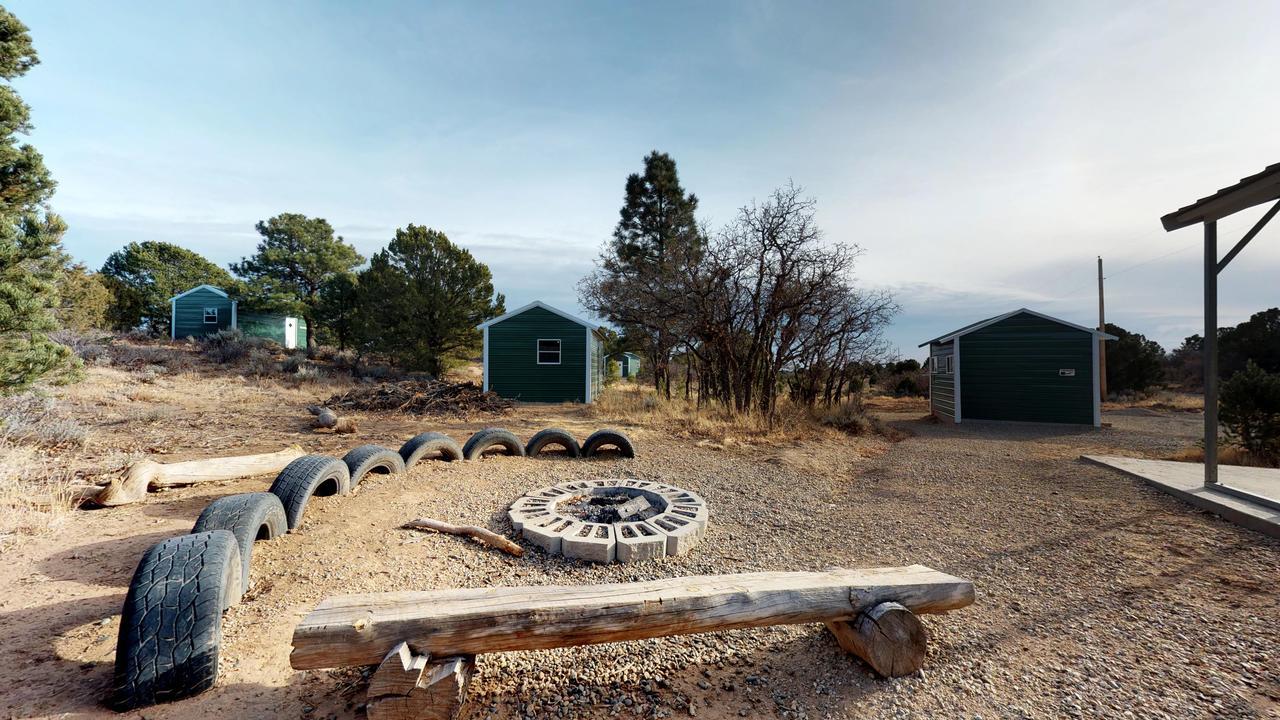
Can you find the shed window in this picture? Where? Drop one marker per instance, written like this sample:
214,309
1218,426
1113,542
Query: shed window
941,364
211,316
548,352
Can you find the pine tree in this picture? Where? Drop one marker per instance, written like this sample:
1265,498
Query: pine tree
296,257
637,284
143,276
84,299
421,299
31,257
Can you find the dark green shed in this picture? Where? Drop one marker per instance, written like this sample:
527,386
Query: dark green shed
200,311
1023,366
205,309
540,354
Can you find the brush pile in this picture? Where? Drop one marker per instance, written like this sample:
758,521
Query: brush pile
422,397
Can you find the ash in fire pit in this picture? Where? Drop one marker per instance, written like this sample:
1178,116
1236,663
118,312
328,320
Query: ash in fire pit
608,520
611,508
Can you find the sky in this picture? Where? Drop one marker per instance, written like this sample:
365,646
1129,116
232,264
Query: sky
982,154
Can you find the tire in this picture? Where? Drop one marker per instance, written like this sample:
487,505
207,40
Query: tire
370,458
309,475
603,438
171,625
553,436
489,437
420,446
250,517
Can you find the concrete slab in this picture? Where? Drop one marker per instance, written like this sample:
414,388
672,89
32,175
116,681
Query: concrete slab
1186,481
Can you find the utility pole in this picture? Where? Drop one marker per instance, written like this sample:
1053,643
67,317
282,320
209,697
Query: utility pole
1102,344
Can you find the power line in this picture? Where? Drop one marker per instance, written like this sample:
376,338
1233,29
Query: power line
1154,259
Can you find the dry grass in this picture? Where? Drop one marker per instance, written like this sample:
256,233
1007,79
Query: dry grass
717,425
34,496
1227,455
1161,400
34,419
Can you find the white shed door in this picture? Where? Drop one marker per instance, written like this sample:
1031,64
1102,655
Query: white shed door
290,333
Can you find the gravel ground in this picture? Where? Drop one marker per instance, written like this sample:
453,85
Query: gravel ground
1097,596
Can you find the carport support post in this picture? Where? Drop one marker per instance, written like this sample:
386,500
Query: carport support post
1210,352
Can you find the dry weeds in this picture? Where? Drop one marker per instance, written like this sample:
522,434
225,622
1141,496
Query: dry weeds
1227,455
35,495
717,426
1161,400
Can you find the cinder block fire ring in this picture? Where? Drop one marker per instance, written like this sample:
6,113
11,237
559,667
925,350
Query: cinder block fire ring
611,520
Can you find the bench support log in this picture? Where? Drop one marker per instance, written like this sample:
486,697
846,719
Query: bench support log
407,686
354,630
888,637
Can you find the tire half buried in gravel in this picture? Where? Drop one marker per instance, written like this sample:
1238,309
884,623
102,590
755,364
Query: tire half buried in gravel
171,625
553,436
491,437
424,444
371,458
605,438
250,517
309,475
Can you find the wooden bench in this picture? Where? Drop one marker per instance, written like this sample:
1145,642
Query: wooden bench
425,643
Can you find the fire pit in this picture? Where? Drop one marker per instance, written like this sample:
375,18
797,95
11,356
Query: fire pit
607,520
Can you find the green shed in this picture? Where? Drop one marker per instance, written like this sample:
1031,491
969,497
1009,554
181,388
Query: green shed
540,354
202,310
1022,366
628,362
205,309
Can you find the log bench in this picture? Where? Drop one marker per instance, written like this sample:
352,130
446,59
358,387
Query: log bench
425,643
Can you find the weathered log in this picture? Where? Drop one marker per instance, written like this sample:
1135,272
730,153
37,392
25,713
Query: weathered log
412,687
889,637
481,535
351,630
132,484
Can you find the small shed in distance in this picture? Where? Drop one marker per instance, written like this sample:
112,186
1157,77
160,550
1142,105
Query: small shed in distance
205,309
629,363
538,353
1023,366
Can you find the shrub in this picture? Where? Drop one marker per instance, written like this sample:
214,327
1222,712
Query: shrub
260,363
296,362
907,384
310,374
848,416
31,418
1249,409
89,345
230,345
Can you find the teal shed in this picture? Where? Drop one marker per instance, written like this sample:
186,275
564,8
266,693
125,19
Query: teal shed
628,362
205,309
202,310
540,354
1022,366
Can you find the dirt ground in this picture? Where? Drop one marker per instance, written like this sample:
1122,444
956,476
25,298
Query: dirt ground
1096,596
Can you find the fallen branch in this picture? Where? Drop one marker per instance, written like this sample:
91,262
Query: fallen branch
132,484
486,537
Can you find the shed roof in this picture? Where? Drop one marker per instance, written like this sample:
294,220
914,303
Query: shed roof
544,306
196,289
1253,190
993,320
